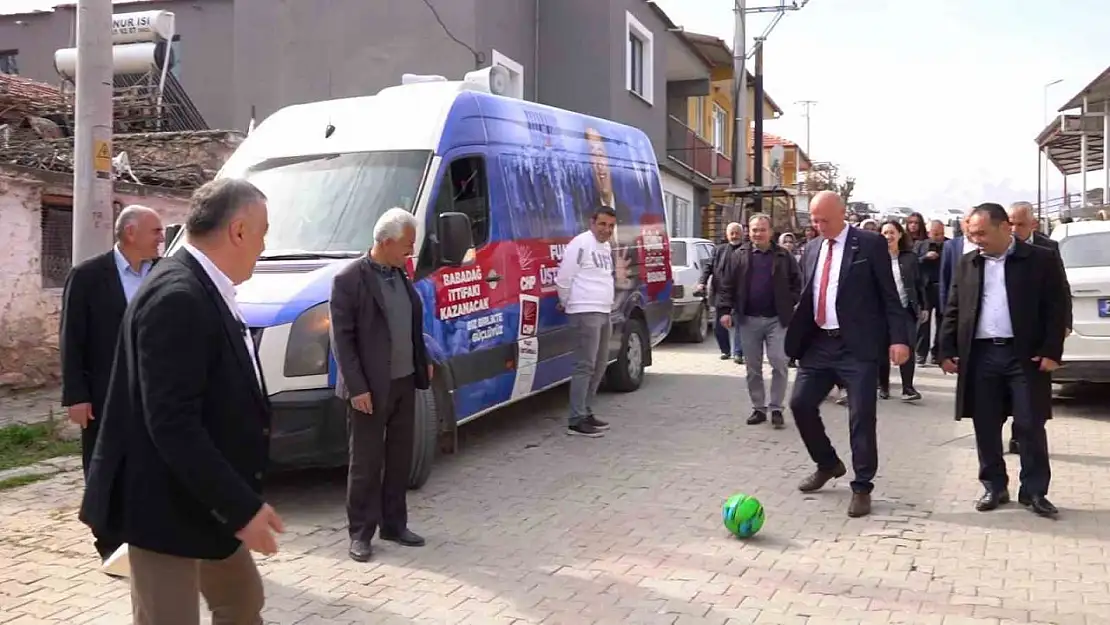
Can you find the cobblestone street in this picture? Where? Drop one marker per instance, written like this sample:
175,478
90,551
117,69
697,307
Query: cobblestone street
526,525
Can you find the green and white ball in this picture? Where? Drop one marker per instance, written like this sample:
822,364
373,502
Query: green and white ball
743,515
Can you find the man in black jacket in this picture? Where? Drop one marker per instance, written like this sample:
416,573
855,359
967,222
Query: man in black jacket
928,254
377,325
96,293
759,288
1004,340
727,339
177,471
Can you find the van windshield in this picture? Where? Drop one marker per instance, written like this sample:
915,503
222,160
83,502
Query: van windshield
328,204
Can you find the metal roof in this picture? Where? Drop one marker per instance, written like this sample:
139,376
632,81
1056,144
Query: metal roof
1097,91
1061,142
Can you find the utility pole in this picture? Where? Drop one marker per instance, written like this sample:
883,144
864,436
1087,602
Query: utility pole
740,99
92,146
757,134
806,106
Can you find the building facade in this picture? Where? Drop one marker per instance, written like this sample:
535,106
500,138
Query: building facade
239,60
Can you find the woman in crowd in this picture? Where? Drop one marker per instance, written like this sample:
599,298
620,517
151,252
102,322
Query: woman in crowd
869,225
911,291
916,228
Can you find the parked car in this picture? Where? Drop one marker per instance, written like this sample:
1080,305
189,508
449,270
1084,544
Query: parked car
1085,248
692,314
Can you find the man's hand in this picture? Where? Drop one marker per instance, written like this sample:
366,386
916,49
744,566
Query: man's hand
362,403
560,307
699,289
431,372
950,365
80,414
726,321
899,354
931,256
258,535
923,316
1047,365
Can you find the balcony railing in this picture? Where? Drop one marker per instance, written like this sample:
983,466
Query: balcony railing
685,146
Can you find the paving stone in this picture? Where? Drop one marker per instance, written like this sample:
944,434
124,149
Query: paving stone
527,526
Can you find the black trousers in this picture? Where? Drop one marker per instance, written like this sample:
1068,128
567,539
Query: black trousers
827,362
926,331
907,368
104,543
380,448
998,380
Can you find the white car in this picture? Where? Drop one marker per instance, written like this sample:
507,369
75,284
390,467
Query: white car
1085,249
692,315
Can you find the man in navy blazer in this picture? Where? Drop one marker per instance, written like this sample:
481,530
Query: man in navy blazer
950,255
849,317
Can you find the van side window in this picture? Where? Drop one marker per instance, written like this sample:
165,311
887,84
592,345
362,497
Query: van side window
464,189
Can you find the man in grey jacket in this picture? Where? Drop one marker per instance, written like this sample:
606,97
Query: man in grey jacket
375,312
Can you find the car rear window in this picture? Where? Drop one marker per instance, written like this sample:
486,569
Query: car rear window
1086,250
678,253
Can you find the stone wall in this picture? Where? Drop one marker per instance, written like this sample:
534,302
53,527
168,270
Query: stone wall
29,313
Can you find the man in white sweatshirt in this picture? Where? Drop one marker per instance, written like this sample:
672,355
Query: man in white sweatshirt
585,284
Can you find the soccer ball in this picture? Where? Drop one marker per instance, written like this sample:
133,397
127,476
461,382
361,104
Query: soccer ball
743,515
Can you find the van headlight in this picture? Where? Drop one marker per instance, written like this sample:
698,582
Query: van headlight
309,342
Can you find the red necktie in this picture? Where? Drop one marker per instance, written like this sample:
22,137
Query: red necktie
826,269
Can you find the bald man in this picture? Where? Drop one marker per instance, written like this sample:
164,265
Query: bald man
96,293
849,317
1023,222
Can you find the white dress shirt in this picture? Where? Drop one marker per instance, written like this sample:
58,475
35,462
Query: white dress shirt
896,267
227,289
994,307
831,320
969,246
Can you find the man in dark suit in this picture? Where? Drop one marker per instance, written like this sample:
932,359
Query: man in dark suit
1004,339
177,471
950,255
96,293
377,325
1024,223
928,253
848,315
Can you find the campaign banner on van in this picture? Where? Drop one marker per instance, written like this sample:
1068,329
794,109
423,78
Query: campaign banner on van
654,255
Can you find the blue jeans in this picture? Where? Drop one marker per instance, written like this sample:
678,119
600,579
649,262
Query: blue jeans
728,341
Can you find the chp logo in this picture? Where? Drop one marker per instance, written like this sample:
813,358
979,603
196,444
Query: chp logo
529,315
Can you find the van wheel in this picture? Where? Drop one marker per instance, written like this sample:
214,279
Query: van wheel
425,440
697,329
627,373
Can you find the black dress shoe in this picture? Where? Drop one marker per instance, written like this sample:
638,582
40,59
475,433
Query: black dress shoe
1014,447
404,537
758,416
360,550
884,393
777,421
991,499
1038,504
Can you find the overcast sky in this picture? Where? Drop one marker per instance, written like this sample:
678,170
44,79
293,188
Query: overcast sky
928,104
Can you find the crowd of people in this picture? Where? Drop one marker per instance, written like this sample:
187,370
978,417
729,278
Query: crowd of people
161,372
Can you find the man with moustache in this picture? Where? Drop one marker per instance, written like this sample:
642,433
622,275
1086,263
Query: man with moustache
727,338
96,294
177,471
849,316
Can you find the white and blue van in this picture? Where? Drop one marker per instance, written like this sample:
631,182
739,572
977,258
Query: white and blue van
499,186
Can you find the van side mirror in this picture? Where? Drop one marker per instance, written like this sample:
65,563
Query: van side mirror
455,238
171,231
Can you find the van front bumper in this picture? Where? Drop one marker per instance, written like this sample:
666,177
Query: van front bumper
308,429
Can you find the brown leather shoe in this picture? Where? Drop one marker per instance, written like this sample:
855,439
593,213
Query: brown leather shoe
820,477
860,505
